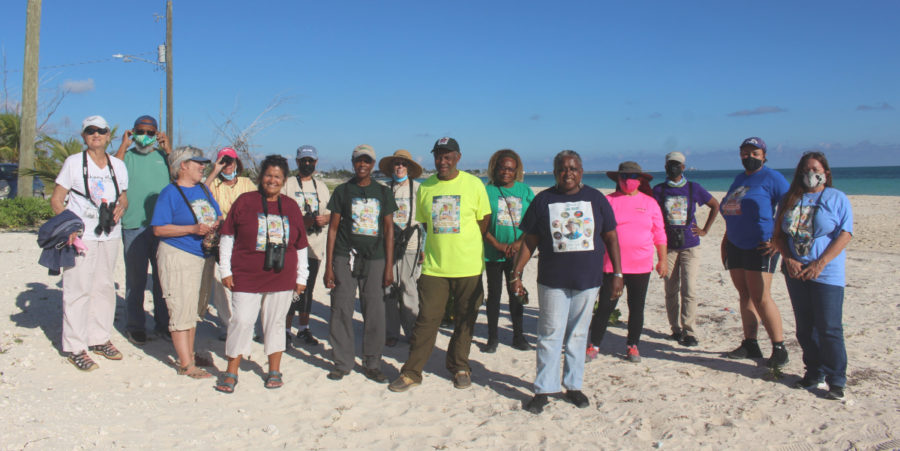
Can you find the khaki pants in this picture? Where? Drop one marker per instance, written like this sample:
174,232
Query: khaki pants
186,280
89,296
683,267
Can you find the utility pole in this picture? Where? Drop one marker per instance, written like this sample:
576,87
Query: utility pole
169,127
29,97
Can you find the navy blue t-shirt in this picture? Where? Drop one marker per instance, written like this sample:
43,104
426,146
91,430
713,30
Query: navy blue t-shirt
749,207
569,229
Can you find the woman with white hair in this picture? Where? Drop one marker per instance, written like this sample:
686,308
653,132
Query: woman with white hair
185,213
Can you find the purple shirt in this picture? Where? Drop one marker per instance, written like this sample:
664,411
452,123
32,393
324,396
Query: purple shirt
676,211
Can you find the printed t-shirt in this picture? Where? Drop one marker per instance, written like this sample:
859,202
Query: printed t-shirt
676,211
570,232
362,209
404,206
101,187
313,198
226,195
639,225
249,226
749,206
505,228
148,175
451,209
171,209
821,220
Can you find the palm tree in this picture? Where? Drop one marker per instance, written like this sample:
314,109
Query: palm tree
9,137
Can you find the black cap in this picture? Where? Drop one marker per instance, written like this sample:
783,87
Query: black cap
445,144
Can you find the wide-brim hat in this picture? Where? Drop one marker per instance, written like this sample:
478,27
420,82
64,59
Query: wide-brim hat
386,165
629,167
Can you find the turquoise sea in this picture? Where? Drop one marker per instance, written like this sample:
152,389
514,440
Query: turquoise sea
879,181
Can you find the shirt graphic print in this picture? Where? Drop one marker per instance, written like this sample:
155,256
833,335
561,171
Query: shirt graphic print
732,204
445,214
401,216
365,213
204,211
309,199
676,210
276,231
505,205
572,226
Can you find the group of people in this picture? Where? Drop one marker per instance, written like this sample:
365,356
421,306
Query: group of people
415,251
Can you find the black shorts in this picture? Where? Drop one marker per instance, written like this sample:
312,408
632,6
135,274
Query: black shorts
749,259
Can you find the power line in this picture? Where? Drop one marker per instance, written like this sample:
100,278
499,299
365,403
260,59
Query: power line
57,66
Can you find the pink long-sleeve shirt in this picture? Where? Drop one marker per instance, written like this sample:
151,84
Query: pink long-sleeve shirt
639,225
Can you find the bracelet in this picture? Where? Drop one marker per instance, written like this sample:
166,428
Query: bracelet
618,274
514,279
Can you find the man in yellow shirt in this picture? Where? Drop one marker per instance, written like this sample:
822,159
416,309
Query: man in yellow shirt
455,209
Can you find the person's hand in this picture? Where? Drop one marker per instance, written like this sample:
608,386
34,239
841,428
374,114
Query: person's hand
793,267
217,168
126,138
724,251
812,270
618,286
388,278
502,247
513,249
698,231
767,248
421,257
300,289
201,229
322,220
662,268
163,141
119,210
228,282
518,288
328,278
72,237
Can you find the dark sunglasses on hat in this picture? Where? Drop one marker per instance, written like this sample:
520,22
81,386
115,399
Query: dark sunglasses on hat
93,130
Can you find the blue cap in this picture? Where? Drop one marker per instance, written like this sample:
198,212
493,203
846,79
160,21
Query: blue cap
755,142
146,120
307,151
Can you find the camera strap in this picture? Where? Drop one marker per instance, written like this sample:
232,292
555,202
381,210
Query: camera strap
514,221
315,188
265,208
186,201
84,173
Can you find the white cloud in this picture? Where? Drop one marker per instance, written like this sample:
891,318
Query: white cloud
78,86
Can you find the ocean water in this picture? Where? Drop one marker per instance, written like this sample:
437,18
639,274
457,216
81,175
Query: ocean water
878,181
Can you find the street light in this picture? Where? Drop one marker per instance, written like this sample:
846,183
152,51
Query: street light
159,64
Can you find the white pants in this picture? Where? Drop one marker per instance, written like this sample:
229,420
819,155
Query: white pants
221,299
89,296
245,307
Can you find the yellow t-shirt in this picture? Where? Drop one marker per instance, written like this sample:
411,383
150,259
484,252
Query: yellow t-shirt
451,210
226,195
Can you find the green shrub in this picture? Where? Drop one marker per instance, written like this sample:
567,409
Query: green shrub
24,212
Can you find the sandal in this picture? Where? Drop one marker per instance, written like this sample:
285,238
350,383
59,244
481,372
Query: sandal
193,372
199,360
227,387
82,361
273,380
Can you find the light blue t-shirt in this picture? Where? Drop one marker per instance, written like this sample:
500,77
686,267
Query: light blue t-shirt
749,207
171,209
821,220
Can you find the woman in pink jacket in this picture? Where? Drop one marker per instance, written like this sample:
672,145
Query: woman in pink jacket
639,224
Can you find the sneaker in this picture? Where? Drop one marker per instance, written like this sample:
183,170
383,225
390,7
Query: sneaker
689,341
337,375
376,375
676,336
536,404
749,349
809,383
578,398
136,337
836,393
462,380
521,343
305,336
402,383
591,353
779,357
106,350
82,361
632,353
491,346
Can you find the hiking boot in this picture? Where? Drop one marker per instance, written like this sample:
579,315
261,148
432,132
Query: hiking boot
836,393
749,349
376,375
82,361
591,353
689,341
305,336
402,384
809,383
106,350
779,357
136,337
536,404
462,380
578,398
632,353
491,346
521,343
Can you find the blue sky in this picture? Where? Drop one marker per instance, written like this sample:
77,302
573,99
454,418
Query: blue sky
611,80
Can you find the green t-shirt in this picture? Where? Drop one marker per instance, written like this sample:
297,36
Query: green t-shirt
362,209
508,205
451,210
147,176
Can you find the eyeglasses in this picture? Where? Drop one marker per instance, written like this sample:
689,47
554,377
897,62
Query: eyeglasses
145,132
628,176
401,163
93,130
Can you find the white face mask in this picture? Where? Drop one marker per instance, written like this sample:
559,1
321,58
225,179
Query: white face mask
814,179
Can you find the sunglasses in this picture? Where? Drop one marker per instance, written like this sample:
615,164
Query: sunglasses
401,163
145,132
93,130
364,159
628,176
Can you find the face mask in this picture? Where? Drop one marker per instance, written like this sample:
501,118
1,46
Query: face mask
814,179
400,180
306,169
629,185
751,164
144,141
229,176
673,171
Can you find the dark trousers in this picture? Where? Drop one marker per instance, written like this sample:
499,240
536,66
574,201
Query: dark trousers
636,285
140,251
495,272
434,292
818,309
371,302
304,303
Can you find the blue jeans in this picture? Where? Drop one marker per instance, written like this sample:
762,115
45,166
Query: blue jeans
565,316
140,248
817,312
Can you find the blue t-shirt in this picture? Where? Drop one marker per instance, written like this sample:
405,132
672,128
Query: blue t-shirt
676,211
569,230
749,206
820,220
171,209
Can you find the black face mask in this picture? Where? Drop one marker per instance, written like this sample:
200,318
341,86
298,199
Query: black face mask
751,164
306,169
673,170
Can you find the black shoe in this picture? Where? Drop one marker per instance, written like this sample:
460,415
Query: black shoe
536,404
809,383
376,375
689,341
337,375
164,334
836,393
288,338
391,342
491,346
749,349
137,337
676,336
779,357
305,336
578,398
223,336
520,343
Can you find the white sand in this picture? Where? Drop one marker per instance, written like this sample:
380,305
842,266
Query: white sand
675,398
